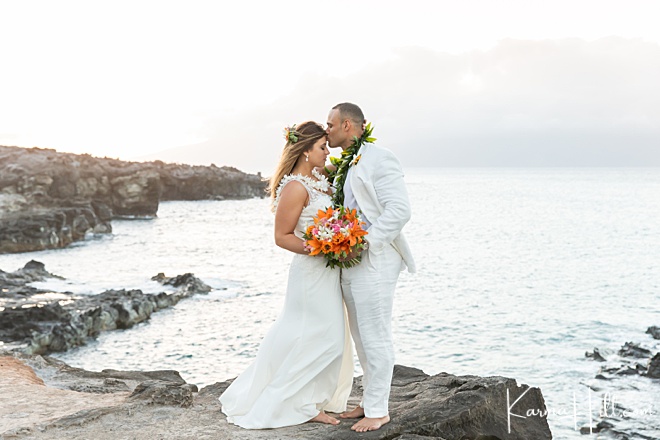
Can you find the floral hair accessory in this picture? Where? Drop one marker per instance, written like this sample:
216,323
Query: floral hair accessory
290,134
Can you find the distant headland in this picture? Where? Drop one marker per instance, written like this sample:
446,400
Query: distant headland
50,199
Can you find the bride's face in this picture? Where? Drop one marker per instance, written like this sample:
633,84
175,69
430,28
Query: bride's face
318,153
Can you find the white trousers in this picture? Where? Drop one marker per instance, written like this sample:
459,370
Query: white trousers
368,290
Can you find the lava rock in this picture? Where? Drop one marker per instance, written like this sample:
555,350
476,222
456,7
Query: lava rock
49,199
42,228
68,321
165,393
188,280
654,331
443,406
630,349
653,369
595,355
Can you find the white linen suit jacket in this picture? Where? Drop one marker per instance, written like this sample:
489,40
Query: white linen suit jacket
380,192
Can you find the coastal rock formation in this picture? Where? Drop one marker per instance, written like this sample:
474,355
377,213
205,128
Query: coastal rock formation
629,362
630,349
16,282
185,182
48,228
653,369
595,355
186,282
154,405
44,322
50,199
631,359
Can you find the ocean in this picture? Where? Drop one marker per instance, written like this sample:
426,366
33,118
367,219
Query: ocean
520,272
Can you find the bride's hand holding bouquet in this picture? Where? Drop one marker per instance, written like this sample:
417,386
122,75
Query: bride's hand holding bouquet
338,235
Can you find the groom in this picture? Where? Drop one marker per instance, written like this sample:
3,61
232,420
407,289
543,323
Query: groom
374,186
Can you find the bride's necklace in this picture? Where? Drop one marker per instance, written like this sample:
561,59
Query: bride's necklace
343,163
320,183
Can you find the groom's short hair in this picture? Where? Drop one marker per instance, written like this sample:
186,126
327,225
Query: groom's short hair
350,111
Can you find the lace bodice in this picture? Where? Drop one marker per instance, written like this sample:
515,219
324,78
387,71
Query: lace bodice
318,199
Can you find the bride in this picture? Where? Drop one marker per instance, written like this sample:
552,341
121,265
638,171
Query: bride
304,365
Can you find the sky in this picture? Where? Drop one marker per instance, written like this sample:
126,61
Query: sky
445,83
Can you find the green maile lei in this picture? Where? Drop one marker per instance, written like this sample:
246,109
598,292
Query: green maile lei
344,162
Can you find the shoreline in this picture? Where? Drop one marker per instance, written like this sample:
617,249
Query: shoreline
633,356
39,322
113,404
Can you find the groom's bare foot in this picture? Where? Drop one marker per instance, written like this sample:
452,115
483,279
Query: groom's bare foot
324,418
356,413
370,424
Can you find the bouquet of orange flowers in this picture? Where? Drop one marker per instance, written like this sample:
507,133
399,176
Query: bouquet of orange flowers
336,233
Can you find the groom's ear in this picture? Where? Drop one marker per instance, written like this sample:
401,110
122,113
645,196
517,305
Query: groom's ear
346,125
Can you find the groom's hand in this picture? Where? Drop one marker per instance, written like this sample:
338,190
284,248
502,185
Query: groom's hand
354,254
350,256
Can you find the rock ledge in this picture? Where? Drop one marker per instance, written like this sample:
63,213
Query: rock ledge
70,403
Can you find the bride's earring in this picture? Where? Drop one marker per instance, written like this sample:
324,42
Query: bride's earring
306,158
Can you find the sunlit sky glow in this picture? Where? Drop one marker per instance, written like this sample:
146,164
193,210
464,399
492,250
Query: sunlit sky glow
132,79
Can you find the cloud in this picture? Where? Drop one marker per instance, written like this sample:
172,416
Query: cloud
566,102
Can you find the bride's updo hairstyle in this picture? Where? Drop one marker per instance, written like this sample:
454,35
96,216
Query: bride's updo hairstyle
300,139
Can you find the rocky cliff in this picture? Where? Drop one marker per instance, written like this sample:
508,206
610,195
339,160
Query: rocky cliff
50,199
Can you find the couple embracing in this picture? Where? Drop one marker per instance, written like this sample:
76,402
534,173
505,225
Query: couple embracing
304,366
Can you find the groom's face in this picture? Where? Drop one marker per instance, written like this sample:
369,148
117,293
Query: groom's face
336,134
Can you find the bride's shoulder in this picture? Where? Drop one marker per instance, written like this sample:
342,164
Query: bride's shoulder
288,179
297,189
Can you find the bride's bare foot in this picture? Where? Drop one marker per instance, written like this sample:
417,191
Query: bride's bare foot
356,413
370,424
324,418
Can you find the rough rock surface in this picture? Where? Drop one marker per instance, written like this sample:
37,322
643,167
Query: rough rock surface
631,360
654,331
41,228
653,369
46,322
158,405
49,199
630,349
15,283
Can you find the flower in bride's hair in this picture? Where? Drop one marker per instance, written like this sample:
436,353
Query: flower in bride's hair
290,134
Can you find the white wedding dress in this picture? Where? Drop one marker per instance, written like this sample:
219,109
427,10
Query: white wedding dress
305,361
